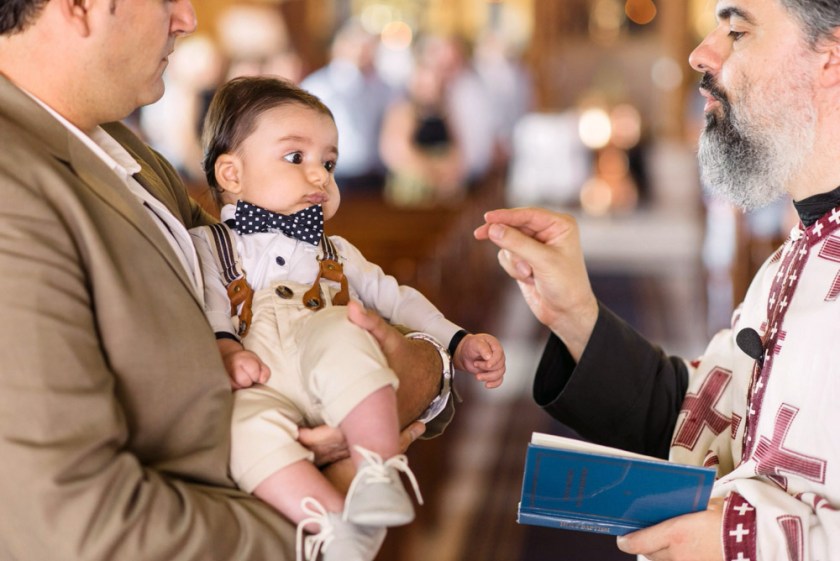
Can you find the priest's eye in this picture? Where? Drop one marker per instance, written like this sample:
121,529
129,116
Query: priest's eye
294,158
330,165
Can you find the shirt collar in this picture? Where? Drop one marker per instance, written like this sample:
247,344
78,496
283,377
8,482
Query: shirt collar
227,212
811,208
100,142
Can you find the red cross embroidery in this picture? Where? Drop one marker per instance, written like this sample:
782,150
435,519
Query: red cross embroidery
794,538
736,422
700,411
773,459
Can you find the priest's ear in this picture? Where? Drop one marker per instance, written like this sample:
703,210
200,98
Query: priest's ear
227,171
831,68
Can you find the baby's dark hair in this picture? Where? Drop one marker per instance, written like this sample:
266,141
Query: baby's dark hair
233,113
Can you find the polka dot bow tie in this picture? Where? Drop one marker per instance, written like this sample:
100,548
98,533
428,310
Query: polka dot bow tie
306,225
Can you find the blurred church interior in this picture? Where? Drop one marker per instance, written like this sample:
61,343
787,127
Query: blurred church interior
449,108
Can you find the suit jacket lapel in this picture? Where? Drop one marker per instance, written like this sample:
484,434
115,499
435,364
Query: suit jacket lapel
91,170
109,187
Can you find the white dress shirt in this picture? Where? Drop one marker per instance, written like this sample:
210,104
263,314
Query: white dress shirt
270,258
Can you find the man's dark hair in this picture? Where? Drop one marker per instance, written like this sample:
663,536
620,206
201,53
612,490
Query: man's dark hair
820,18
233,112
17,15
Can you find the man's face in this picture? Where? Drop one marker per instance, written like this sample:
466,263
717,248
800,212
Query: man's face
135,40
758,79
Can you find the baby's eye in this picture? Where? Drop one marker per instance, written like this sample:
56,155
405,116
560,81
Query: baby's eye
330,166
294,158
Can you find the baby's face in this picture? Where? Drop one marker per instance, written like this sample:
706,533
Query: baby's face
287,163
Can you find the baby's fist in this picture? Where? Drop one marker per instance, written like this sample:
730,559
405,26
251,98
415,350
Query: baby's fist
482,355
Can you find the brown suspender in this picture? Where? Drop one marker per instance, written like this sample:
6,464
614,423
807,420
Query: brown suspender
330,268
240,293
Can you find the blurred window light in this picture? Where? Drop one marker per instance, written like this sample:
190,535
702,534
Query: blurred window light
595,128
397,35
548,161
626,126
641,12
666,73
702,17
605,20
596,197
375,17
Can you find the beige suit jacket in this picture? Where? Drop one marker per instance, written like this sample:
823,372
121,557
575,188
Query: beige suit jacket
114,404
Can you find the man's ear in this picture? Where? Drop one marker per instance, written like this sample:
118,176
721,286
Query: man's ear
227,170
831,68
77,13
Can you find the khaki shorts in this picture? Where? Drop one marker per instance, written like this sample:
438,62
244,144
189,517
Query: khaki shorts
322,366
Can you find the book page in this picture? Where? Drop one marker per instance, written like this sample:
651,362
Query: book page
564,443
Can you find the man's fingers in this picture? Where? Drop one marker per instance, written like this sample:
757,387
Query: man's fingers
527,220
514,266
387,337
645,541
522,246
411,433
327,443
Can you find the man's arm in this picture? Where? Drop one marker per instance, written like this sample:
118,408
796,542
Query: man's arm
623,391
593,359
416,362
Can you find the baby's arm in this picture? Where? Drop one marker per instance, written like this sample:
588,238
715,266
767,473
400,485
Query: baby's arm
481,354
243,366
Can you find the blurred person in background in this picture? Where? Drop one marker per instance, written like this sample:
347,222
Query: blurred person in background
425,161
497,61
173,124
255,39
468,105
352,88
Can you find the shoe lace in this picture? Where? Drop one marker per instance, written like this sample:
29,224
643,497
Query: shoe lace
376,471
308,547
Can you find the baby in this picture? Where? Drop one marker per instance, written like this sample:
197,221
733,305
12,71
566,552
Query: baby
275,289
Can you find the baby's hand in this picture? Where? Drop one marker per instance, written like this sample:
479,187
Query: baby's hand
245,369
482,355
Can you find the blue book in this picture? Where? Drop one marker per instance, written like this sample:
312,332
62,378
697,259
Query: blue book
576,485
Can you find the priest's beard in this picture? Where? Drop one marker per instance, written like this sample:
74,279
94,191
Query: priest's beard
750,153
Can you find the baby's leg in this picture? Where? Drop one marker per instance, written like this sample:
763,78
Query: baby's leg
373,425
349,378
286,488
302,494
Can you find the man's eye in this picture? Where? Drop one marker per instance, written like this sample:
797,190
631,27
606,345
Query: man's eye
294,158
735,35
330,166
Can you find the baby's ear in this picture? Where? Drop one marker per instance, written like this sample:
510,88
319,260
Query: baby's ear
227,171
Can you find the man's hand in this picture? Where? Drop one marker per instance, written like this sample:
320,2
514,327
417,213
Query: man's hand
416,363
691,537
541,251
244,367
329,446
